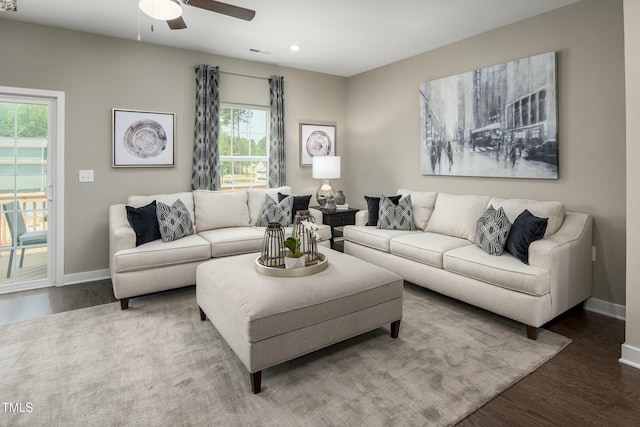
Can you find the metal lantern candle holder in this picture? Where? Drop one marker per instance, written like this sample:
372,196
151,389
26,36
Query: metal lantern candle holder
273,250
307,236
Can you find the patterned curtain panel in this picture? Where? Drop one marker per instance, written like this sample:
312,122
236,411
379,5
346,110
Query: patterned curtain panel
277,165
206,158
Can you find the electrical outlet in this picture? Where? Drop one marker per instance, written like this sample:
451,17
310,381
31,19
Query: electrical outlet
593,253
86,175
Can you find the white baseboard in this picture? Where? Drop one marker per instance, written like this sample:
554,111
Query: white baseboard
86,276
630,356
610,309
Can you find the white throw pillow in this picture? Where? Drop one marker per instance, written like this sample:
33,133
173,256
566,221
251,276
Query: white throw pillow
256,200
554,211
218,209
457,215
422,203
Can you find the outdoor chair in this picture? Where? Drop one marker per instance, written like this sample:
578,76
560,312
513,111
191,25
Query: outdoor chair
20,237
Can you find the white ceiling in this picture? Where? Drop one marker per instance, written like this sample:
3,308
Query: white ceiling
341,37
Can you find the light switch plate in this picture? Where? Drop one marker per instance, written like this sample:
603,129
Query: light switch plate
86,175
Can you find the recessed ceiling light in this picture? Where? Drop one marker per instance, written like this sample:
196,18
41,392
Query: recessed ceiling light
295,47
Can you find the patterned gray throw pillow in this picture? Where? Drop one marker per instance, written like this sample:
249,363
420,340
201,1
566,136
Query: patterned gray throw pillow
276,212
492,230
174,221
392,217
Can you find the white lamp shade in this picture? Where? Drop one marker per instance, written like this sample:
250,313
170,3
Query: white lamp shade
163,10
326,167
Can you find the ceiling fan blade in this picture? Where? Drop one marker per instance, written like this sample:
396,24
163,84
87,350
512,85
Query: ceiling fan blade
177,24
223,8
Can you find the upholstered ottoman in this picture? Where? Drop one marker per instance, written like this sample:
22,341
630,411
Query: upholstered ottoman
270,320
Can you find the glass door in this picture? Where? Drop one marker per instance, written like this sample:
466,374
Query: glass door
25,129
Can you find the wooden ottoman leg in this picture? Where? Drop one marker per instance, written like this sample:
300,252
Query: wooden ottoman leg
124,303
203,315
532,332
395,329
256,382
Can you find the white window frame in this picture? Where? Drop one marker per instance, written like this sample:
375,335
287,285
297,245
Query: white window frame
56,180
264,158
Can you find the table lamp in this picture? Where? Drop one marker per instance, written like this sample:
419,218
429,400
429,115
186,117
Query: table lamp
326,168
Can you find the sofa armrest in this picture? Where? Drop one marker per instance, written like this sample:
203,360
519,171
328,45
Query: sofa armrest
121,235
316,214
362,217
566,254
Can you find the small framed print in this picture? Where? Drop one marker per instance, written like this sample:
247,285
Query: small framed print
316,140
143,138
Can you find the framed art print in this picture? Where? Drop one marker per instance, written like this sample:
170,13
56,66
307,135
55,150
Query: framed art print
143,138
497,121
316,140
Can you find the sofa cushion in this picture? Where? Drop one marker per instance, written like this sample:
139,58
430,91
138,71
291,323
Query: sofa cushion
372,237
492,230
235,240
255,200
505,271
186,198
393,216
220,209
160,254
373,207
174,221
526,229
144,222
456,215
423,203
425,248
555,211
273,211
300,203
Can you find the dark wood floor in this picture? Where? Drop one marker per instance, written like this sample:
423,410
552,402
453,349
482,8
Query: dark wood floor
583,385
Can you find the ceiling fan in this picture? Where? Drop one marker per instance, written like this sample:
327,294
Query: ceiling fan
171,11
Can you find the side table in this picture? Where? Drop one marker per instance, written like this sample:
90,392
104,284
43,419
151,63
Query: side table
337,218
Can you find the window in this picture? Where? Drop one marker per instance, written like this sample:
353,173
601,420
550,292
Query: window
244,136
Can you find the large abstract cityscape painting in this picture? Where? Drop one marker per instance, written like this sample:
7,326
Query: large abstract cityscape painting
498,121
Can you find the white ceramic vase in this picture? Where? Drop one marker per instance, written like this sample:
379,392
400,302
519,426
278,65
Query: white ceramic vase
294,262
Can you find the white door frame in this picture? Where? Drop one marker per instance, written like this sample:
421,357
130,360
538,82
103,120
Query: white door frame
56,256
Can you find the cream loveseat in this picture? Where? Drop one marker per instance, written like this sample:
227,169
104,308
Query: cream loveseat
441,255
225,224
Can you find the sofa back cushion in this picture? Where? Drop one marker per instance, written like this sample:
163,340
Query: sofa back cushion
220,209
256,200
168,199
423,203
555,211
456,215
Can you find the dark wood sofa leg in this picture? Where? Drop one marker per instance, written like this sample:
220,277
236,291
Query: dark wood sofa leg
532,332
203,315
124,303
395,329
256,382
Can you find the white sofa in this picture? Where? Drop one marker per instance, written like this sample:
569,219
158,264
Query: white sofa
225,224
441,255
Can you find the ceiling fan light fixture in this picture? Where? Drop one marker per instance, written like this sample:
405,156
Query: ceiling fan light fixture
162,10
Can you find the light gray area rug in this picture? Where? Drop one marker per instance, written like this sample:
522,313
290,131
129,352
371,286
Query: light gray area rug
157,364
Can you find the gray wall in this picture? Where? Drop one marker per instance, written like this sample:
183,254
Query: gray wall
632,65
379,143
99,73
383,113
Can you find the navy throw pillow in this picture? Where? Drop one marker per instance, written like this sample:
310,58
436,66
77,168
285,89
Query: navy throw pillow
527,228
373,206
300,203
144,222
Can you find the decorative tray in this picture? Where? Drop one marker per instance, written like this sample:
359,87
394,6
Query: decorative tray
320,265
